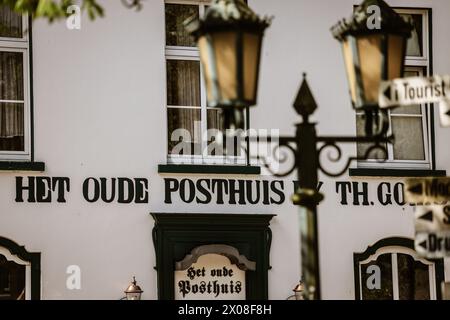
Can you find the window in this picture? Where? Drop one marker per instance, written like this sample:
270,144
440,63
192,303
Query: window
392,270
15,120
410,125
194,129
20,272
12,280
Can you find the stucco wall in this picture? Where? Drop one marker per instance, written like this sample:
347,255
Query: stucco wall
99,101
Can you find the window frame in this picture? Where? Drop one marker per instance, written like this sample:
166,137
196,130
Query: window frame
395,246
193,54
32,262
23,45
424,65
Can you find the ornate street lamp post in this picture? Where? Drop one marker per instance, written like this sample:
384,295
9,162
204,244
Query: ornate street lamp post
229,39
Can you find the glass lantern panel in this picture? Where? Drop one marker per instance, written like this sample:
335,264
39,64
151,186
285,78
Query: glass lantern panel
396,57
133,296
252,44
210,75
226,61
370,58
350,68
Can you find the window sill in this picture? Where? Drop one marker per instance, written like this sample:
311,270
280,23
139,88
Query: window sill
396,173
22,166
209,169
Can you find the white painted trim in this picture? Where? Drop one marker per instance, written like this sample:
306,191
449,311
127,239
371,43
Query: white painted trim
360,283
394,251
395,284
416,64
192,54
24,33
21,45
425,33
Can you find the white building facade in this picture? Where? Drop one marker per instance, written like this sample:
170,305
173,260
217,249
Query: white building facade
92,188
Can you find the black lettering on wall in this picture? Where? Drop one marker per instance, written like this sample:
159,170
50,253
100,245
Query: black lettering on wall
220,186
104,190
189,196
399,194
249,185
266,196
141,186
204,191
384,193
171,185
279,191
237,188
63,185
364,193
342,188
41,189
86,190
20,188
126,190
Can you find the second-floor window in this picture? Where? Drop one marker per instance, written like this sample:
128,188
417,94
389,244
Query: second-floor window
14,87
410,125
193,127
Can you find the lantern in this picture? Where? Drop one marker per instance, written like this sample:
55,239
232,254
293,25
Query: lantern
133,292
229,39
374,47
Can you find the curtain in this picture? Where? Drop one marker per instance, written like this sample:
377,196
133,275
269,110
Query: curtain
183,83
414,46
10,23
183,89
11,114
176,34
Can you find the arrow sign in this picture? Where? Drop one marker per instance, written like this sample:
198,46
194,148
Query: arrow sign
433,245
433,218
423,190
414,91
427,216
445,113
388,93
423,245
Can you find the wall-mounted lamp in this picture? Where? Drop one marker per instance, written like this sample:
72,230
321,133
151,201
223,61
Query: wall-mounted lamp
298,292
133,292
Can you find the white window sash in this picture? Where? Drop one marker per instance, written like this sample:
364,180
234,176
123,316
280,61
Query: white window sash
394,251
14,258
26,154
421,65
192,54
